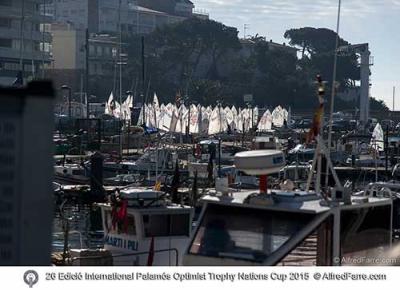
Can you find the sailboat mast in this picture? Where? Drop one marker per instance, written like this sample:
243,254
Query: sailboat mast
333,89
394,94
143,84
120,76
21,39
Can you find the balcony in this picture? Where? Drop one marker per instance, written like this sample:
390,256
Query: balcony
9,53
14,33
15,13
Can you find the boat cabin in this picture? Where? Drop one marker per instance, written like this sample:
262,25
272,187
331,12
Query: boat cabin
289,229
266,142
148,219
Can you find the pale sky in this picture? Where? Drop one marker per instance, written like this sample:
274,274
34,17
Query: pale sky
374,21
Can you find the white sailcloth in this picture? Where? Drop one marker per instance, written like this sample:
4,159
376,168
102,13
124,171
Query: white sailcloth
140,119
174,120
277,117
265,123
194,119
255,116
246,119
109,105
377,138
117,110
126,108
165,121
205,121
214,124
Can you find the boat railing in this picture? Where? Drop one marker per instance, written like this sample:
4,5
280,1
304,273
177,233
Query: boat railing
174,250
71,233
382,189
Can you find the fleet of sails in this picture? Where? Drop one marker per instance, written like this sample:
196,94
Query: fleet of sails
197,119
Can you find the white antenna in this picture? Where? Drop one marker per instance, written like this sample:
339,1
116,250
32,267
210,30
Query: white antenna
394,94
245,28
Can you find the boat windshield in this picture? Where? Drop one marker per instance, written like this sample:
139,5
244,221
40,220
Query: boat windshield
244,233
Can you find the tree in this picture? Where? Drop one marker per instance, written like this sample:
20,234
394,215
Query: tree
184,52
318,46
377,105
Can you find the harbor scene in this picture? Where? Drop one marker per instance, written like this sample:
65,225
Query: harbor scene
150,134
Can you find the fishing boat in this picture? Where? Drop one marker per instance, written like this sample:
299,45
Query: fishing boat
290,227
143,227
70,174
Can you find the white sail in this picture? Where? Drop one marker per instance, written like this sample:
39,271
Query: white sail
165,120
109,105
230,119
277,117
205,121
174,119
117,110
182,119
214,126
246,119
150,116
234,119
265,123
194,119
156,103
285,114
140,119
255,116
126,108
147,115
160,117
239,121
156,111
377,138
222,120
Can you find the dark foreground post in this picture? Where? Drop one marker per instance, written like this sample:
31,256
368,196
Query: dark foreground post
96,176
26,174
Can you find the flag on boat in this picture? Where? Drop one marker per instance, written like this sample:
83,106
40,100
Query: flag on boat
319,113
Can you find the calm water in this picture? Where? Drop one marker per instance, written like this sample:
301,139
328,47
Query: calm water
85,227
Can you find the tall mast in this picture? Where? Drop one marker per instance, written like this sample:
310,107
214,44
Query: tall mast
333,88
21,38
120,74
394,94
143,84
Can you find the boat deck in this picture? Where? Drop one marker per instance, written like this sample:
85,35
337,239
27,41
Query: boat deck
303,255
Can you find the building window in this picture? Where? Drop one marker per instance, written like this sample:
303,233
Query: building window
166,225
36,46
5,42
5,22
11,66
99,51
5,2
